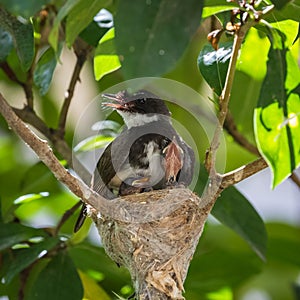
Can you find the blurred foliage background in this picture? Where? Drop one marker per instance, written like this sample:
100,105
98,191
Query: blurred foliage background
239,256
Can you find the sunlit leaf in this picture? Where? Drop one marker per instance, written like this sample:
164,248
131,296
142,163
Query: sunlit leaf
155,35
92,290
23,258
277,127
252,60
44,69
81,15
58,280
213,65
235,211
106,60
213,10
13,233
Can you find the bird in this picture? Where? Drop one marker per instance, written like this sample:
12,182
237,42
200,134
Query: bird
148,154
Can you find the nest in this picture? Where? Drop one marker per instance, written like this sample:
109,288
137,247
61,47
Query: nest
154,235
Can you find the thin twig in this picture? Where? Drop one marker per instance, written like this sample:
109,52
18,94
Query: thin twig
66,216
81,58
231,128
225,96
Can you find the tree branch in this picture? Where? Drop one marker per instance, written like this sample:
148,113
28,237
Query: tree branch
45,154
242,173
29,116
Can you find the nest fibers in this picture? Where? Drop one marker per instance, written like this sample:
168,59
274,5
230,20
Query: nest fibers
154,235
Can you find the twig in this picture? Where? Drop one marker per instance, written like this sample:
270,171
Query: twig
231,128
225,96
45,154
81,58
10,73
66,216
243,172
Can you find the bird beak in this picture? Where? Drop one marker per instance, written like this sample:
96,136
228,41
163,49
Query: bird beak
114,97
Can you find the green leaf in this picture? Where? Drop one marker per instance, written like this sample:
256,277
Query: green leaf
22,34
213,65
219,268
13,233
85,255
22,258
81,15
26,9
106,60
215,7
63,12
59,280
92,34
93,142
235,211
156,34
6,42
44,69
286,10
276,118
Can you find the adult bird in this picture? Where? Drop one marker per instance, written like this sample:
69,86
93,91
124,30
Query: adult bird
148,154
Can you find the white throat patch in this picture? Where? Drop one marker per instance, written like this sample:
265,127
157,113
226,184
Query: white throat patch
136,119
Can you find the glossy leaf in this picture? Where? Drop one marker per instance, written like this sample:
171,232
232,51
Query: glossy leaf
277,122
6,43
22,34
58,280
155,35
44,70
30,197
22,258
81,15
213,65
106,60
13,233
235,211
